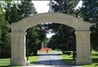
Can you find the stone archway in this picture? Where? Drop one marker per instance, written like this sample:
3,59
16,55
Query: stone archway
18,48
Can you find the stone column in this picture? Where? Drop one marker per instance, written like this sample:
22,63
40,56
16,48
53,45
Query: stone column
83,47
18,48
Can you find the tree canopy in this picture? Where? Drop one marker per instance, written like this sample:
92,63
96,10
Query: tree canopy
35,38
4,36
64,36
10,13
64,6
89,12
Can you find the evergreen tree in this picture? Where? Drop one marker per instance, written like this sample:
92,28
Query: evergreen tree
19,11
64,6
8,11
15,14
89,12
35,37
12,12
4,36
27,8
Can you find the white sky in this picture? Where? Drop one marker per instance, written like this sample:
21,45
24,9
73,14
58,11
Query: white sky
41,6
79,5
49,35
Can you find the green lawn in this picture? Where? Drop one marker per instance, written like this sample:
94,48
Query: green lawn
94,56
5,62
67,58
33,59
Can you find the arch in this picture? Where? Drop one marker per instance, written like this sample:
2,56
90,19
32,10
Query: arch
50,17
18,32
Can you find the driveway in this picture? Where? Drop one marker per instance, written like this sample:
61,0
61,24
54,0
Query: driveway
51,59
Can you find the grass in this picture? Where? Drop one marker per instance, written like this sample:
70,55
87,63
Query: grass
67,58
94,57
32,59
5,62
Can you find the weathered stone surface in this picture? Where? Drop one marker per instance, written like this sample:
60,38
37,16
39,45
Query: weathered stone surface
18,47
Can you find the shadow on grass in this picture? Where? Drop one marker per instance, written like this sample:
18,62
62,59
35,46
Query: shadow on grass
96,65
69,62
6,66
48,54
32,62
95,54
95,60
9,66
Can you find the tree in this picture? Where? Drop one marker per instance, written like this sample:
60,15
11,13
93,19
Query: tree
64,6
4,36
12,12
64,35
89,12
19,11
35,37
8,10
27,8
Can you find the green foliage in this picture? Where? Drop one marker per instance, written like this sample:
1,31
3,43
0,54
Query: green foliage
1,10
35,37
69,6
4,37
64,6
27,8
89,12
19,11
63,39
94,40
89,9
12,12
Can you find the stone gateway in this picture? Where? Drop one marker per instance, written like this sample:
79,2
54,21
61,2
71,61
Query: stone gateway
18,36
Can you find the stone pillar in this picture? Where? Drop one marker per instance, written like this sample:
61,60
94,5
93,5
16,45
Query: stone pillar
18,48
83,47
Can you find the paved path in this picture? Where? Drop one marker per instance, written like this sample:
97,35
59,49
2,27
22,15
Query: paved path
50,60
